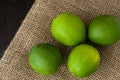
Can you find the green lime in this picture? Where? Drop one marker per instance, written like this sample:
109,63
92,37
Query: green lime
83,60
68,29
104,30
45,59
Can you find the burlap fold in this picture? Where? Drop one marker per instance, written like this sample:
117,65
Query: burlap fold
36,29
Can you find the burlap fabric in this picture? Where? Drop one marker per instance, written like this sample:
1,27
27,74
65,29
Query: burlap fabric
36,29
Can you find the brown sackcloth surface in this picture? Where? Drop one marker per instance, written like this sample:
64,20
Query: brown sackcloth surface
36,29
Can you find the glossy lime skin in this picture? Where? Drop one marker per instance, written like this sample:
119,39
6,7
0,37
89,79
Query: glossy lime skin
104,30
68,29
83,60
45,59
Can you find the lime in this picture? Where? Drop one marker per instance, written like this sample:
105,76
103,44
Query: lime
83,60
68,29
104,30
45,59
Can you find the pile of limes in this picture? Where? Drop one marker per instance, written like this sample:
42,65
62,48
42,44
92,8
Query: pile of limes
70,30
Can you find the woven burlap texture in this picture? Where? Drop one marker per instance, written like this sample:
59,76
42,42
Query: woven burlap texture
36,29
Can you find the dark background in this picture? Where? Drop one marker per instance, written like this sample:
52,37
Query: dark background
12,13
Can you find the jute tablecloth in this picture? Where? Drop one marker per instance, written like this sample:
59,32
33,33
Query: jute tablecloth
36,29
